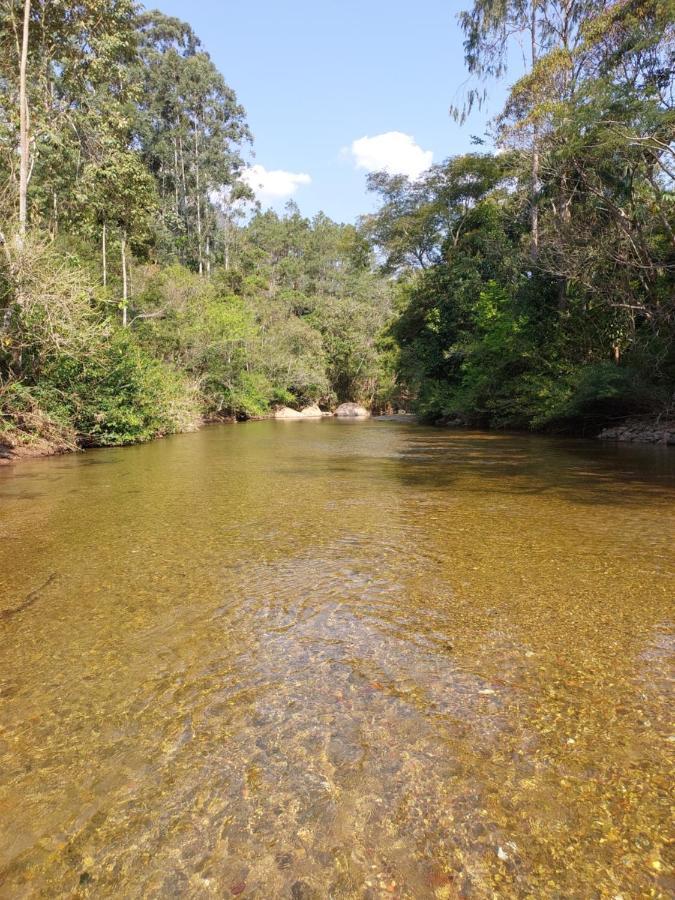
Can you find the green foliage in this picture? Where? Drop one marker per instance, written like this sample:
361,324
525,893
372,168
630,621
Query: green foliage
190,129
120,192
537,287
30,416
121,394
529,288
135,154
114,395
66,373
320,307
602,392
207,333
484,338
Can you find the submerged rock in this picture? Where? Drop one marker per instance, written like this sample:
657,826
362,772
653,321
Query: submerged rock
285,412
351,410
300,890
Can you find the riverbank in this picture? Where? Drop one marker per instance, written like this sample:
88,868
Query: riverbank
638,430
17,445
10,454
642,430
635,430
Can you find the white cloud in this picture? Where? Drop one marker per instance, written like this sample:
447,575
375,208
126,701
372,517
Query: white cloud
393,152
273,184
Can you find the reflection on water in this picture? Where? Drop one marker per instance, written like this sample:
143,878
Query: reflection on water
314,660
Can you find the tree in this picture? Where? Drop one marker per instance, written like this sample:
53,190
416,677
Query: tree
119,192
66,74
551,29
607,161
23,128
419,220
190,128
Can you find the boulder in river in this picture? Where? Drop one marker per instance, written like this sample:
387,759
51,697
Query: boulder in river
285,412
311,412
351,411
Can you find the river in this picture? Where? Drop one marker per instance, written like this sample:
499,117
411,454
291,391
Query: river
337,659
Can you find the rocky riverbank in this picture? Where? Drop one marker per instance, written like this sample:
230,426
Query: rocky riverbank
642,430
637,430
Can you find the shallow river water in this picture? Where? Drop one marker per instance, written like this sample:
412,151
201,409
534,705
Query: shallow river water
334,660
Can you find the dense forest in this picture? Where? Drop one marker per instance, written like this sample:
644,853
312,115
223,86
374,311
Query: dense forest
143,290
537,284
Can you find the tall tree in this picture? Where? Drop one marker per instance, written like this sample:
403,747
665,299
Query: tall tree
609,162
23,127
120,194
65,70
420,221
493,28
190,128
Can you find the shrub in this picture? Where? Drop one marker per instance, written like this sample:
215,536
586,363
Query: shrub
119,394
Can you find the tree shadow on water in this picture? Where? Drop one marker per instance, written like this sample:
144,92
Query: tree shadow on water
576,470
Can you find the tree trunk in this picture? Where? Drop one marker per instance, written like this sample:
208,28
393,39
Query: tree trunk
125,286
208,256
200,254
104,254
536,187
23,124
175,170
55,215
184,180
536,183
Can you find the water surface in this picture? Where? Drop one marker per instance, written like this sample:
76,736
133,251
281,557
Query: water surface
334,660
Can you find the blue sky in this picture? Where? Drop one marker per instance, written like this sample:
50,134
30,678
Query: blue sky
315,77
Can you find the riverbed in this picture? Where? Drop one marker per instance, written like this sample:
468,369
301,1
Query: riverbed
329,659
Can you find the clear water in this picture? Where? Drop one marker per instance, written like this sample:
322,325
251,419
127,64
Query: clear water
337,659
